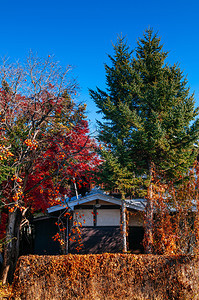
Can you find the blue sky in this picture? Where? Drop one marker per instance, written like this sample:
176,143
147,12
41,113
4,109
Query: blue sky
81,33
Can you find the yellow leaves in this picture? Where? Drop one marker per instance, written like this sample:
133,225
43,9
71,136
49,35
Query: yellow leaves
5,291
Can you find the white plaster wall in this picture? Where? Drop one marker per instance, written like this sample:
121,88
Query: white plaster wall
108,217
84,216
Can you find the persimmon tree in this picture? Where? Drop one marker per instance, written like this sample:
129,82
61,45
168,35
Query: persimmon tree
48,140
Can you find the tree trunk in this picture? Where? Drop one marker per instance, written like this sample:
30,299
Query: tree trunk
11,248
149,217
124,227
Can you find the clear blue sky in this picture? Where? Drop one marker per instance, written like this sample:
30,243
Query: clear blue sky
81,33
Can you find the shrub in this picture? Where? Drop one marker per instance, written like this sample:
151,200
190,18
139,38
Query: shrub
106,276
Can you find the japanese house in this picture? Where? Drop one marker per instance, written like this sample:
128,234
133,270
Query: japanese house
97,216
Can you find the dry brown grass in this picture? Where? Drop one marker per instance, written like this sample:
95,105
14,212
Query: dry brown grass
106,276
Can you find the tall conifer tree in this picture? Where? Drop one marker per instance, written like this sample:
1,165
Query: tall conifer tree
149,115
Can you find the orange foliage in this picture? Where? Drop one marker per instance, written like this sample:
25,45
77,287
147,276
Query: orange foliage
176,219
106,276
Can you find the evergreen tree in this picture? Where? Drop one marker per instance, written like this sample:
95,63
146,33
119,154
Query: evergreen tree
149,116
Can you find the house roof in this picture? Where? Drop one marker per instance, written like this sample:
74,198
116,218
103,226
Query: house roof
98,194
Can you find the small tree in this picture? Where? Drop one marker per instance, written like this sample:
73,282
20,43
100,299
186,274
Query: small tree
175,226
149,116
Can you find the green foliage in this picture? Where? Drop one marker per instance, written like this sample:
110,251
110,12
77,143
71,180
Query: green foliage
116,176
148,114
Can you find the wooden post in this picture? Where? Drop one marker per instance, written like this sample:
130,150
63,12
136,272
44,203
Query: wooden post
124,227
149,216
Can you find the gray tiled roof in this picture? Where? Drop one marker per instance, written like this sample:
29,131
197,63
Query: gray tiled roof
97,193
